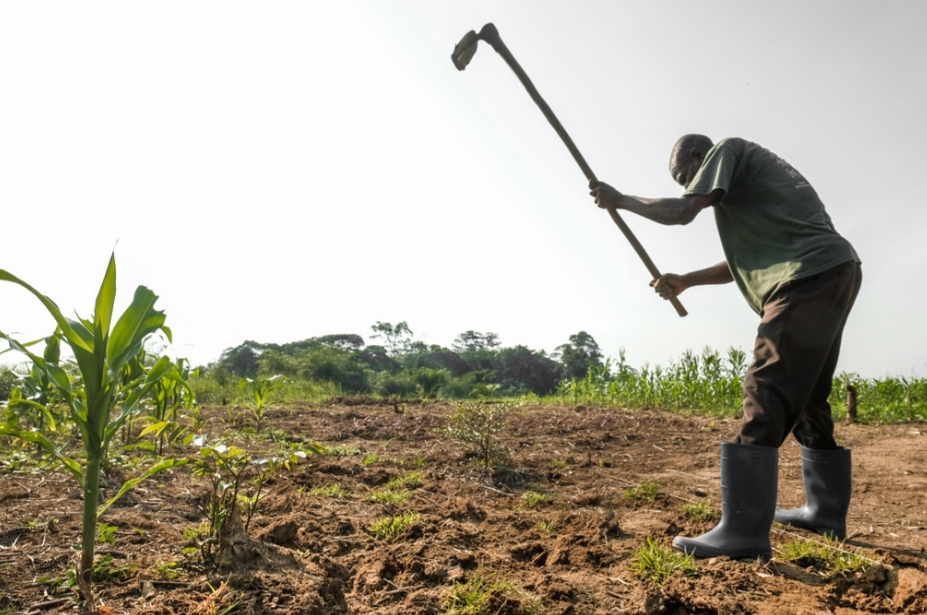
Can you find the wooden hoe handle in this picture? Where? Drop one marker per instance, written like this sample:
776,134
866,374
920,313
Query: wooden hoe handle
491,36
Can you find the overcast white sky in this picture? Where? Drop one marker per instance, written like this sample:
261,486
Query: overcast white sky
277,171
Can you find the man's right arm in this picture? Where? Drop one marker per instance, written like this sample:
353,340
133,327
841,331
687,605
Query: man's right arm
672,284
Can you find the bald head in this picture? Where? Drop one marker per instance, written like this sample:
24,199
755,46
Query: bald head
687,157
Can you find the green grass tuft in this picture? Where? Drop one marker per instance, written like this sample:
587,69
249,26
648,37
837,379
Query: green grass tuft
700,511
533,499
480,595
412,480
657,562
390,496
388,528
830,557
645,492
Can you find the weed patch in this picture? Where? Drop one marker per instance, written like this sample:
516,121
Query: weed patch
700,511
481,595
645,492
533,499
388,528
657,562
830,557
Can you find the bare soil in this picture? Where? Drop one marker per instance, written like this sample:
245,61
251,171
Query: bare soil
314,555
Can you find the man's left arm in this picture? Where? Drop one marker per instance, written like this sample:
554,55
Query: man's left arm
669,211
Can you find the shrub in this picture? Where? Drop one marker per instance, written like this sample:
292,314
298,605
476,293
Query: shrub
477,424
7,382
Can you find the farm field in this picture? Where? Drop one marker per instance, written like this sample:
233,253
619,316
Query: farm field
553,528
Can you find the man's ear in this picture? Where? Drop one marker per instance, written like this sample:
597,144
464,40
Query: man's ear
697,153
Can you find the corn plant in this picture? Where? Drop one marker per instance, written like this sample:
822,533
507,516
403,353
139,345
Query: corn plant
261,390
33,400
166,398
101,350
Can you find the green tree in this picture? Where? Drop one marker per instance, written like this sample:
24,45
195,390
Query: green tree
377,358
520,370
242,360
329,363
579,355
397,337
470,341
437,357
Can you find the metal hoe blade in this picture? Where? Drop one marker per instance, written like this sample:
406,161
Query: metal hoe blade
465,49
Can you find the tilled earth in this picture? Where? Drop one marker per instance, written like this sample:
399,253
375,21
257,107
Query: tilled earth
315,554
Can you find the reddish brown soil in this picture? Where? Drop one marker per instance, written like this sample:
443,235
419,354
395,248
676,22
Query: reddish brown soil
317,557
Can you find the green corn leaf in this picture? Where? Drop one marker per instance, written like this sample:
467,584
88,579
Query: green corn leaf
14,345
37,438
139,320
63,323
84,330
103,312
128,407
159,370
158,467
148,446
91,370
59,377
52,352
16,399
155,428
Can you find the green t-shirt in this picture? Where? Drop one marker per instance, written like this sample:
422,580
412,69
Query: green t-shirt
773,226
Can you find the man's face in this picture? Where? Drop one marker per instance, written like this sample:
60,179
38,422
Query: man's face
685,165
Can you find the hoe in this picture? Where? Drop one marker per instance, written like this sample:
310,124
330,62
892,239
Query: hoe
462,55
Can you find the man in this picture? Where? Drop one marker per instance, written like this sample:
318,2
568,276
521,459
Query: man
802,278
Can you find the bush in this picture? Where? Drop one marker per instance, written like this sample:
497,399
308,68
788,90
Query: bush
8,380
520,370
322,363
477,424
386,384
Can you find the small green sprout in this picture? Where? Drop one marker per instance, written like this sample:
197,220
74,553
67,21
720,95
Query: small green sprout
388,528
646,492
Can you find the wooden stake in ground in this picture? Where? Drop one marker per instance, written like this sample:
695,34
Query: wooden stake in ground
851,404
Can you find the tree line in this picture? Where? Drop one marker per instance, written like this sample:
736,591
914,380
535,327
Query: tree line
476,364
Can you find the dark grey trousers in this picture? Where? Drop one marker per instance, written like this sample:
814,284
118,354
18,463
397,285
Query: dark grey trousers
794,359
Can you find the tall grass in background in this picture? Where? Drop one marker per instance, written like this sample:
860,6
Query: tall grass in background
212,391
713,384
884,400
705,382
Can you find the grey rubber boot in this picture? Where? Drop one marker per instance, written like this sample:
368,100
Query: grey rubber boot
828,485
749,477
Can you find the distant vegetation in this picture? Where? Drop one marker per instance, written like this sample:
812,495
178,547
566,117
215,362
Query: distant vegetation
475,366
478,366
